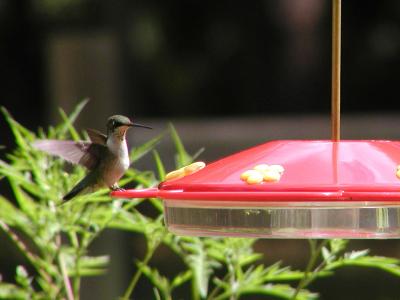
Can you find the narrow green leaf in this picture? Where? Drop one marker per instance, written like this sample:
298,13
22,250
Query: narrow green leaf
279,290
388,264
11,291
201,264
140,151
198,153
181,278
326,254
72,131
159,165
23,138
337,245
160,282
94,261
249,259
156,293
13,173
157,203
27,205
20,132
67,125
11,215
86,272
356,254
22,278
182,158
87,265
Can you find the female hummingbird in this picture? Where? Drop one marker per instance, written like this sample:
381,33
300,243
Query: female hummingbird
106,156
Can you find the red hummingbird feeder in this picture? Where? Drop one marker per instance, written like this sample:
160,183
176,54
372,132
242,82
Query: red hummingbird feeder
291,188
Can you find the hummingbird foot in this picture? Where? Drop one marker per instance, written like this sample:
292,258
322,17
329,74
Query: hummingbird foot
115,187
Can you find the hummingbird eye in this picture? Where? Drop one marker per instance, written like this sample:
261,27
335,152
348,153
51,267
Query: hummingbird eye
116,124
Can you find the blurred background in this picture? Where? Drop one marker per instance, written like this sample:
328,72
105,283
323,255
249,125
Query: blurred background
228,75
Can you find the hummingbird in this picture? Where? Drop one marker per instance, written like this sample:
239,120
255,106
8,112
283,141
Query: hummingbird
105,156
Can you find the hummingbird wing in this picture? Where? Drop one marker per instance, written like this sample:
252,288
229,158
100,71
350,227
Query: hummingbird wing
96,136
84,153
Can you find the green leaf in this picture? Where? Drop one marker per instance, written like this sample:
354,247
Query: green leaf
123,220
198,153
20,132
337,245
327,255
11,215
25,202
12,292
87,265
391,265
201,264
22,277
279,290
94,261
140,151
13,173
181,278
156,294
182,158
159,165
67,125
277,273
356,254
159,281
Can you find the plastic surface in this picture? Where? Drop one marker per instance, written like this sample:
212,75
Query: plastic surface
345,189
351,220
314,171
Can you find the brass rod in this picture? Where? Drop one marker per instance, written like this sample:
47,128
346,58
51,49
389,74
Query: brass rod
336,41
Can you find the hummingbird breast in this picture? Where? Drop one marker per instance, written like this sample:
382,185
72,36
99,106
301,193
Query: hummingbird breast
115,162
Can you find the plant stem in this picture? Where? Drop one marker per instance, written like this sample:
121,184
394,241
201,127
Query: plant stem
216,289
138,273
67,283
80,250
24,249
307,279
33,259
195,293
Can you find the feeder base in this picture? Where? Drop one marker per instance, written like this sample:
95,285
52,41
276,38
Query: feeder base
322,220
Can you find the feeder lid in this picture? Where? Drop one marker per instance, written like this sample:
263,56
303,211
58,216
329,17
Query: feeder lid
314,170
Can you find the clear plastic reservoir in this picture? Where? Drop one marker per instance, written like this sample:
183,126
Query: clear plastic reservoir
291,220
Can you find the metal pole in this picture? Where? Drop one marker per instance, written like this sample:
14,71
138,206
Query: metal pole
336,46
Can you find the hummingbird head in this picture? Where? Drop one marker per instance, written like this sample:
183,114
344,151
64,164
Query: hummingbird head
119,124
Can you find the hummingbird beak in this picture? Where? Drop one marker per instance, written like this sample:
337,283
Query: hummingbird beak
139,125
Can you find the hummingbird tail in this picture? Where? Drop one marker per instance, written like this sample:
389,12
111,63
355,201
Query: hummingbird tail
79,187
85,184
75,191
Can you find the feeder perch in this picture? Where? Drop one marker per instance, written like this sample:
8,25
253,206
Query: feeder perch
299,189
